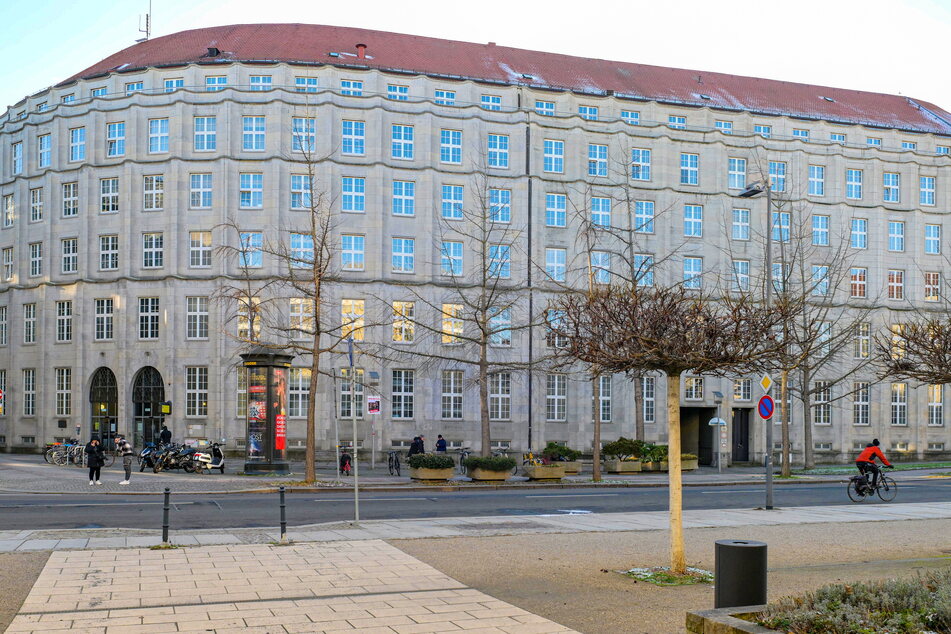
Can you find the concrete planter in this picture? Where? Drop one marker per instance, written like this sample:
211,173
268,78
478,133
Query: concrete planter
484,475
545,471
653,466
622,466
572,466
664,466
689,465
431,474
726,621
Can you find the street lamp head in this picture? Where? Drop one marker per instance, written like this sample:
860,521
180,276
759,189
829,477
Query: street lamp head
717,397
753,189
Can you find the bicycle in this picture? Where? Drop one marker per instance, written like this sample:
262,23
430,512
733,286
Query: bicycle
501,453
464,453
860,487
393,462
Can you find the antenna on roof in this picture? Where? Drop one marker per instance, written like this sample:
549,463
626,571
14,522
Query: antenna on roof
148,25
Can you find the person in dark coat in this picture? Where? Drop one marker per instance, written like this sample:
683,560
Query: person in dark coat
440,444
95,459
414,447
166,435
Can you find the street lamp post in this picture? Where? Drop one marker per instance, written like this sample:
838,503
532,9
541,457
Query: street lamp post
752,190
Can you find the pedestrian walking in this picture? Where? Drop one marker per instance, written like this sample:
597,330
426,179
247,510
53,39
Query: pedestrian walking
125,450
440,444
414,447
95,458
165,436
422,444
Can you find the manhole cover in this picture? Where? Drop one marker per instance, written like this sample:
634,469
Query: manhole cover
498,526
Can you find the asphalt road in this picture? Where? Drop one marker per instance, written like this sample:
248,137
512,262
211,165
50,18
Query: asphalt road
28,511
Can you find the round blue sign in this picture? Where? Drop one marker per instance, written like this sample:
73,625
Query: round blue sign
766,407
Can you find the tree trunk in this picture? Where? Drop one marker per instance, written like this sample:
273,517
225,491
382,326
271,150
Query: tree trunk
596,445
784,395
638,407
310,452
809,457
678,560
484,404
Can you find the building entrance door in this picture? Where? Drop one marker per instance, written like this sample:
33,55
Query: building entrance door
104,405
148,390
741,435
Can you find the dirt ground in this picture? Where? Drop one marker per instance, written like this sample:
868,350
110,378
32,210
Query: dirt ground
18,572
572,579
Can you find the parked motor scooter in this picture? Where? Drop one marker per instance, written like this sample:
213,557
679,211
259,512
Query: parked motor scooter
147,456
213,458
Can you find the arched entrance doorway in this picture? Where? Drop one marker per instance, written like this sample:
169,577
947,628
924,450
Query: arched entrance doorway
104,402
148,391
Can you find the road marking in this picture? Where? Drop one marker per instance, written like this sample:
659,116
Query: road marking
349,500
736,491
26,506
575,495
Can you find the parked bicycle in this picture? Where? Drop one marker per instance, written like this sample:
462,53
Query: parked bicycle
501,453
463,454
860,487
393,462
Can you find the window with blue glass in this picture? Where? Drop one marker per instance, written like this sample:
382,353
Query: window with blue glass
404,198
896,235
450,146
498,145
820,230
500,205
251,255
932,239
693,272
452,202
354,137
597,160
817,180
500,263
554,159
354,194
451,258
640,164
689,169
859,233
693,221
601,211
644,216
402,142
556,206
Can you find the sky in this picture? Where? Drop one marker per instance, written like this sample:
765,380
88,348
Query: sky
888,46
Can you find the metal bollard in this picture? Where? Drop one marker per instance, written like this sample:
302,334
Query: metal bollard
740,576
283,517
165,517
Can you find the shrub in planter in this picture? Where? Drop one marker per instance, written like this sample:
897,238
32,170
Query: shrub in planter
430,461
624,449
688,462
559,453
491,463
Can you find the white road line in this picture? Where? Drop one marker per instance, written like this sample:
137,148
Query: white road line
738,491
26,506
575,495
350,500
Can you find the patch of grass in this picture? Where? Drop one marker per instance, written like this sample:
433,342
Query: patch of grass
168,546
662,576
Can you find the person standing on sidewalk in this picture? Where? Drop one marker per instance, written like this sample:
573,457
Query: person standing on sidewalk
95,458
440,444
125,450
166,435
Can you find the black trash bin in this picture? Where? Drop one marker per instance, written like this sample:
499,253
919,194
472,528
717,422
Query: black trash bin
740,573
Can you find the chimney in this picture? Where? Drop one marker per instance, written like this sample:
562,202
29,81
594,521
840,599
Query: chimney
361,51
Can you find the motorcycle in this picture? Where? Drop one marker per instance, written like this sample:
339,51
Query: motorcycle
212,459
147,456
175,457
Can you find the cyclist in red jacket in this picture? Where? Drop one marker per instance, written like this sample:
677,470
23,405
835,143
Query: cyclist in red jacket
866,461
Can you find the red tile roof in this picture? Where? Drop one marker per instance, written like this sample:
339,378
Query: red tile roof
310,43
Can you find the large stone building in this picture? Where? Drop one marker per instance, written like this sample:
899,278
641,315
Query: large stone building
116,183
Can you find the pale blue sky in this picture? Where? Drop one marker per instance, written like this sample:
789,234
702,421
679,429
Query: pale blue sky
891,46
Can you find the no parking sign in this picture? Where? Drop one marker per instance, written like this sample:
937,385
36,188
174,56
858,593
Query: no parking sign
766,407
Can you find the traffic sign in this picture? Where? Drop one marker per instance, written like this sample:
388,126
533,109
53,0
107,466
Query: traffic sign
716,421
766,407
766,383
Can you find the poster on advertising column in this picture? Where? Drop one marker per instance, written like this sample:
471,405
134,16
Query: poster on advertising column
373,405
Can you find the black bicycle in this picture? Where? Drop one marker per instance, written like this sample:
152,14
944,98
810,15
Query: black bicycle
393,462
860,487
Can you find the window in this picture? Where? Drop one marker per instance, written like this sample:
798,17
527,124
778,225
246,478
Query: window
500,326
196,391
451,258
677,123
817,180
70,98
932,239
251,191
8,263
935,405
873,142
351,392
764,131
445,97
153,192
452,323
500,263
302,250
250,250
556,397
781,225
402,393
743,389
648,397
890,187
498,151
3,342
158,136
351,318
820,280
98,92
693,268
601,211
16,151
199,249
36,204
404,255
491,102
860,403
896,235
252,134
601,267
404,198
148,318
689,169
643,269
693,388
70,255
153,250
108,195
201,191
196,317
859,233
741,275
862,340
29,323
452,394
351,87
303,134
300,191
909,145
401,146
77,144
249,319
899,404
799,133
64,321
352,252
215,83
206,136
853,184
397,93
741,224
640,164
298,392
943,149
500,205
354,194
109,253
260,83
858,282
777,176
354,138
820,230
555,263
404,325
546,108
736,174
693,221
926,189
644,216
103,323
115,139
726,127
452,202
554,321
837,137
500,396
896,284
631,117
450,146
932,286
603,386
588,112
172,84
70,200
556,210
29,395
554,159
134,86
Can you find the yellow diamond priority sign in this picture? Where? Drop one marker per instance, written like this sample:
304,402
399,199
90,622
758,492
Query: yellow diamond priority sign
766,383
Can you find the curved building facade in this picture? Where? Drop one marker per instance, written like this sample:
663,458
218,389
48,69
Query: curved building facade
116,187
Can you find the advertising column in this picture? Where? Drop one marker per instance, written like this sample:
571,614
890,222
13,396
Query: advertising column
266,445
